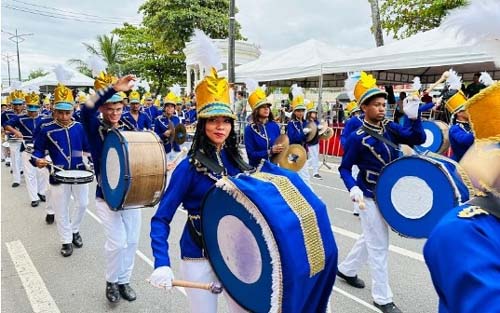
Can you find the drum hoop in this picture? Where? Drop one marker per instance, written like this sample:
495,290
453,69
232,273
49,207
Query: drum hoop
74,180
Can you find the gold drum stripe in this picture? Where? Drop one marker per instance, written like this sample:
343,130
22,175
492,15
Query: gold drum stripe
307,218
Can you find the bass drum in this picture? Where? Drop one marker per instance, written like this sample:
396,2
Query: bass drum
275,253
437,139
413,193
133,169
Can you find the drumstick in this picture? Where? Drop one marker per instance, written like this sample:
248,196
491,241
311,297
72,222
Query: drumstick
49,163
213,287
440,80
183,151
361,204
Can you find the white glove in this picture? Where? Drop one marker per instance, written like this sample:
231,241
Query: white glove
162,277
410,107
306,131
320,126
356,194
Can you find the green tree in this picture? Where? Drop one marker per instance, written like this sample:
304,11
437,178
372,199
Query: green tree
403,18
175,20
37,73
147,57
109,48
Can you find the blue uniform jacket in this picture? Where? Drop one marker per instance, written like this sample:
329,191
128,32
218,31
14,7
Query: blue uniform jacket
96,131
161,126
187,187
152,112
350,126
143,122
463,256
259,138
461,138
371,154
190,116
65,144
295,132
26,125
424,107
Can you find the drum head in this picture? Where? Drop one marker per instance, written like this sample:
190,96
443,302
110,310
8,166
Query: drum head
114,169
413,193
237,250
436,137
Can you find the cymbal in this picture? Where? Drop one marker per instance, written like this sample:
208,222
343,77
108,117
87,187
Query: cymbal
295,158
180,134
314,130
327,134
285,142
324,125
171,127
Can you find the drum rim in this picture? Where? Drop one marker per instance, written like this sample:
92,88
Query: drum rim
387,213
74,180
444,139
214,268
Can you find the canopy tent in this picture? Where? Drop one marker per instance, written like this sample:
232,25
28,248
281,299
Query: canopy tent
301,60
48,82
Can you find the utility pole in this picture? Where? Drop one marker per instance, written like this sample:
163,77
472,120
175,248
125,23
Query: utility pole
376,25
8,57
17,38
230,63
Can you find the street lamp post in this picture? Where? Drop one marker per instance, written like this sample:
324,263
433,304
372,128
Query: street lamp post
17,38
230,63
8,58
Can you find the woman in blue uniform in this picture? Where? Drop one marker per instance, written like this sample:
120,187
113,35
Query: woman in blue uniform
262,132
214,154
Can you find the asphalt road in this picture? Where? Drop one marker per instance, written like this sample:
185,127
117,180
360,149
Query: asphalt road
36,278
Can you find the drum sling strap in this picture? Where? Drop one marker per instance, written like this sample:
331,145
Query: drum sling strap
489,203
380,137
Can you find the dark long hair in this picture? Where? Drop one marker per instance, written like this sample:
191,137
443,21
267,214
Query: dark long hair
255,115
202,142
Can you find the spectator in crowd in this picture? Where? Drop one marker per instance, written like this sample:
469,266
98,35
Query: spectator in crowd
474,87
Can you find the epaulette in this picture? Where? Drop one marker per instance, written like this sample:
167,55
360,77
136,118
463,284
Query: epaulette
360,131
472,211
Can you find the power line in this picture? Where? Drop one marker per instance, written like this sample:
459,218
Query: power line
74,12
43,13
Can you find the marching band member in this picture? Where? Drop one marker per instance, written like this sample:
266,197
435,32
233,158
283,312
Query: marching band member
354,122
17,102
148,108
23,126
262,132
67,144
297,128
370,148
80,102
462,252
460,134
135,118
313,145
47,106
4,150
214,154
168,118
126,101
121,228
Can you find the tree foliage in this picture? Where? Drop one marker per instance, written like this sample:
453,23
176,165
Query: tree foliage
403,18
37,73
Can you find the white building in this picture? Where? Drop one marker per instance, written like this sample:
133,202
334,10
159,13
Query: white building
244,52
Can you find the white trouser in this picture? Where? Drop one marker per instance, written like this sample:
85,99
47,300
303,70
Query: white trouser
60,197
15,161
37,179
203,301
314,158
304,174
372,246
49,208
122,230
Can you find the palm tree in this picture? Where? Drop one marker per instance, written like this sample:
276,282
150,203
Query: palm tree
376,25
109,49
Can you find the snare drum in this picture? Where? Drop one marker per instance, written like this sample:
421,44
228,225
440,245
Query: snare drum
133,169
437,139
74,177
14,140
413,193
275,253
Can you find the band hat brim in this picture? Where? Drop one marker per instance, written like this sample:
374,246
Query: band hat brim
215,110
33,108
64,106
300,107
17,101
135,101
370,93
114,99
263,102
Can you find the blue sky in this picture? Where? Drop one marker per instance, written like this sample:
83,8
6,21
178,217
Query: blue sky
58,37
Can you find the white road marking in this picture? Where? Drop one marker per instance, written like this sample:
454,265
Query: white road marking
138,252
38,295
358,300
329,187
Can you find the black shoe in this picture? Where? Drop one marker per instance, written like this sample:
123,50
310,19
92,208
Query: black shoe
22,172
355,213
112,292
7,164
127,292
317,176
77,240
14,185
388,308
49,218
35,203
352,280
42,197
67,249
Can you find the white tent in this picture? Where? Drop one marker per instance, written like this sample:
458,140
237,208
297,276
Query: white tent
301,60
50,80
